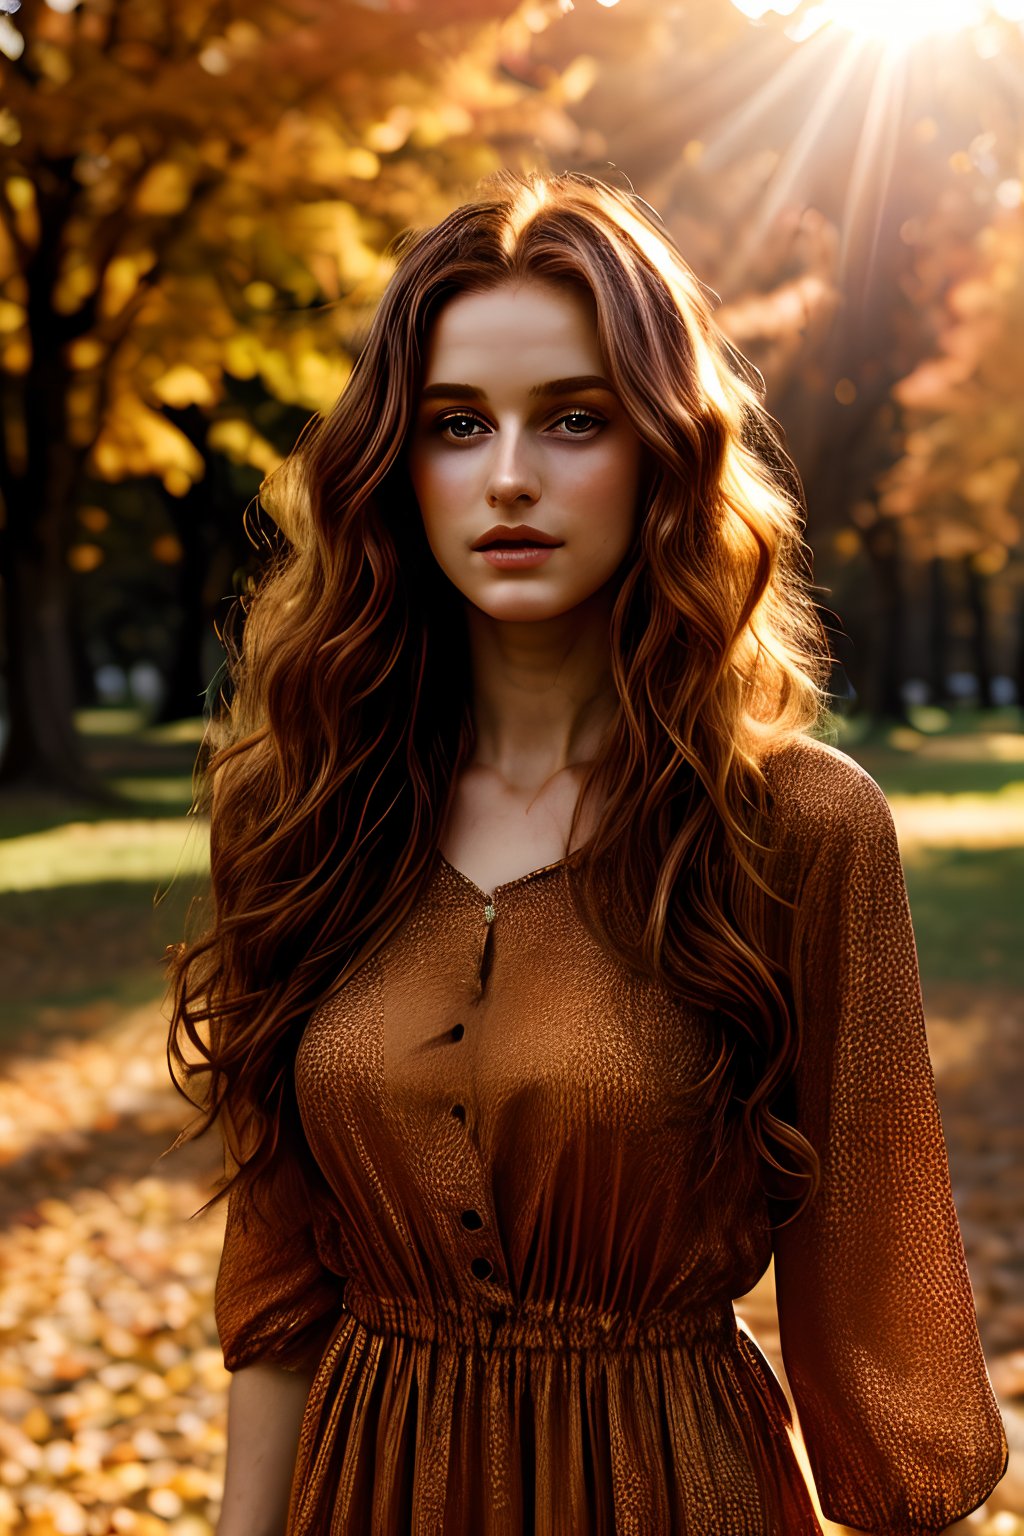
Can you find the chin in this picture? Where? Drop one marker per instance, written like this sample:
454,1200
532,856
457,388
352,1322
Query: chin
523,608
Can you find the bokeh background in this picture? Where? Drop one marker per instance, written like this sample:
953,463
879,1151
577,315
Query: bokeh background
196,197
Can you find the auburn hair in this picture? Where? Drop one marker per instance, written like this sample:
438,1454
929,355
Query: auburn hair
350,710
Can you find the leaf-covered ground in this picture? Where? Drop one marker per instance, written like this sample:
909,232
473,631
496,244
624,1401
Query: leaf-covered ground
112,1391
112,1387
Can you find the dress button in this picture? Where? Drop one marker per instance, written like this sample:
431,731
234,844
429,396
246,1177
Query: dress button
481,1268
472,1221
459,1112
458,1030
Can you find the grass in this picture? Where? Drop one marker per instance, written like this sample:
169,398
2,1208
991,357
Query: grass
956,786
966,906
91,896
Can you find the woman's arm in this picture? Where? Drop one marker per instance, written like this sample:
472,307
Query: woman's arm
265,1405
877,1320
276,1306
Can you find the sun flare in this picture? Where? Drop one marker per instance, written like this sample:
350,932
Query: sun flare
897,24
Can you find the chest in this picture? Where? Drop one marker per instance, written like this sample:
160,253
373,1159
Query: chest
496,833
519,1026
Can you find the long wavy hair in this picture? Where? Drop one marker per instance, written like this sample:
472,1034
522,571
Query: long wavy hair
350,712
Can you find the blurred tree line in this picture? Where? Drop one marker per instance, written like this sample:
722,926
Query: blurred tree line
195,196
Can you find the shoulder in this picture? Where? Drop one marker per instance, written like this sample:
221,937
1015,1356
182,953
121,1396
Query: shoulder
820,797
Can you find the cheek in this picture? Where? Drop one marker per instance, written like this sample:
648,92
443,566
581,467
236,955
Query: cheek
612,495
429,487
437,495
436,484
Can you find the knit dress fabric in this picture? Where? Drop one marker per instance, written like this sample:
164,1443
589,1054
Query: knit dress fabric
514,1286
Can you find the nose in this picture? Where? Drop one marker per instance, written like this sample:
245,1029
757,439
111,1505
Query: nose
511,477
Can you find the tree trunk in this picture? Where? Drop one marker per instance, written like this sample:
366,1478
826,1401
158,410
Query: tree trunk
938,632
885,674
41,750
981,639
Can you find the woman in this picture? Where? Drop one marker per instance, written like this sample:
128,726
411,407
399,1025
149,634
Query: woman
558,978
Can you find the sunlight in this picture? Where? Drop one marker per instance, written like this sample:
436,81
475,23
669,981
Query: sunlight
896,25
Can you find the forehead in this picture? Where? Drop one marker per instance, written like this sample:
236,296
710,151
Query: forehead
531,325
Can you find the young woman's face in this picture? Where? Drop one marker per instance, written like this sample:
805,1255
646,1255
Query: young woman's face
523,460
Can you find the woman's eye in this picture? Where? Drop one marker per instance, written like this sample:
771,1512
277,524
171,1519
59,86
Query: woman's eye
461,428
584,419
454,424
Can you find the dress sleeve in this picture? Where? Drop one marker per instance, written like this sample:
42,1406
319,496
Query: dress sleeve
878,1327
275,1302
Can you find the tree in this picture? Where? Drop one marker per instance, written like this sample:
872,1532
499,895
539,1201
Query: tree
193,191
957,486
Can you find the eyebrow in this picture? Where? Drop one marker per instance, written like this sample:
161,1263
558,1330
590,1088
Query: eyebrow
552,387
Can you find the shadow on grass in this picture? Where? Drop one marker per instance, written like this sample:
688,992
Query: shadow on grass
966,905
147,769
903,773
77,956
974,752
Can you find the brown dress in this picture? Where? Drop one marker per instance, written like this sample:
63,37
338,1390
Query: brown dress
518,1310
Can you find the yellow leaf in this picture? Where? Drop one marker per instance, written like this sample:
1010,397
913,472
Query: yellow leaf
16,357
21,194
36,1424
166,549
184,385
321,379
119,283
241,356
73,287
85,557
362,163
107,459
53,62
177,481
391,134
237,439
87,352
166,188
136,440
12,317
277,374
10,128
260,295
992,483
990,561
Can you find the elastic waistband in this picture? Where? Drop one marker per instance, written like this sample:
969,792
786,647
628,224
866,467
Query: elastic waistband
536,1325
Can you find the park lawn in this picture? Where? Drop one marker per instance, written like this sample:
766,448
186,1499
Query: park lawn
91,896
90,899
957,797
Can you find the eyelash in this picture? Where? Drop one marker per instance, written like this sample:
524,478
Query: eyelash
443,421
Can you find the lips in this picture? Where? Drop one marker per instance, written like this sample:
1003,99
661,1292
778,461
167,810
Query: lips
520,537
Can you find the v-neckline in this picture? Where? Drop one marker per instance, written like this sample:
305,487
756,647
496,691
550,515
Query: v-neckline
488,896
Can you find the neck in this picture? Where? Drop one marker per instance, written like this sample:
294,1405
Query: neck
543,694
